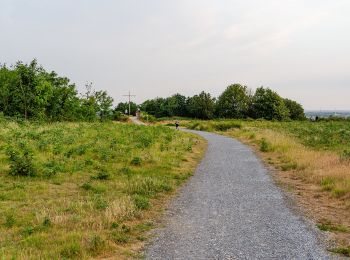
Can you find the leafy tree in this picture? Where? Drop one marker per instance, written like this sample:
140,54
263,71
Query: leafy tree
201,106
104,104
156,107
269,105
233,102
176,105
296,110
124,106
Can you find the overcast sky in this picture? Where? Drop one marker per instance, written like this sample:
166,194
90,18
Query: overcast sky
300,48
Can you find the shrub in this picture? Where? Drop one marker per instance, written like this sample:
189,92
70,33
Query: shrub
10,221
224,126
136,161
265,146
141,202
345,156
100,203
119,238
119,116
147,186
101,175
72,250
96,244
21,162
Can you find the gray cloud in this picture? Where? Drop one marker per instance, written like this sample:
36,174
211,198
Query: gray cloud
159,47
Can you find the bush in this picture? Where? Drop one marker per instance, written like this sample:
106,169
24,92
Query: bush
119,116
265,146
345,156
147,118
224,126
21,162
136,161
141,202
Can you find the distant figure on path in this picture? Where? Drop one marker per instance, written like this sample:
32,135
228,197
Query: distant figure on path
177,125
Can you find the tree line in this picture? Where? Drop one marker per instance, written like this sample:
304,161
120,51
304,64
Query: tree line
28,91
237,101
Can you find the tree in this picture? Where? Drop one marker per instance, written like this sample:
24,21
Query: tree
295,109
176,105
104,104
233,102
124,106
267,104
201,106
26,87
8,79
157,107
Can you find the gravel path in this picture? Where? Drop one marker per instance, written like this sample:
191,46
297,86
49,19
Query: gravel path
136,121
231,209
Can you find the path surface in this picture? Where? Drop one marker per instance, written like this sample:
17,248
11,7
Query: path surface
231,209
136,121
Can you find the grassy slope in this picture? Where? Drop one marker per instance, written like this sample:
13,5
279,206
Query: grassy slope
313,160
97,190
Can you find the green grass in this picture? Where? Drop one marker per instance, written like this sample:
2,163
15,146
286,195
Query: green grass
322,135
326,225
81,190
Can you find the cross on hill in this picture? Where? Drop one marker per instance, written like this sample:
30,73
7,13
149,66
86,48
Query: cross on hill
129,95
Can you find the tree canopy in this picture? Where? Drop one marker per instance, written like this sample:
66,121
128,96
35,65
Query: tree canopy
29,91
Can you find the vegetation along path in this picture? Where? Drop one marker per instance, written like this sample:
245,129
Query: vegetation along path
231,209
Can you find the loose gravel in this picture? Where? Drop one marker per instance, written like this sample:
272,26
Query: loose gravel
231,209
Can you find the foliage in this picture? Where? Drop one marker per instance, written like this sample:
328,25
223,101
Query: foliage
124,107
201,106
28,91
296,110
119,116
237,101
234,102
267,104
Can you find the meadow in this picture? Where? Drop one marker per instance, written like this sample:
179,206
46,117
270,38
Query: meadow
312,160
86,190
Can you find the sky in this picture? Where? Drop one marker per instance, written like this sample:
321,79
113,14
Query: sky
299,48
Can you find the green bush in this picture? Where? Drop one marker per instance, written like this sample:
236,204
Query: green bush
141,202
119,116
265,146
136,161
21,162
224,126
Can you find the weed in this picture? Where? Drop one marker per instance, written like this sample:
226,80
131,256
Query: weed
21,162
265,146
345,156
136,161
289,166
327,184
148,186
341,250
102,175
119,238
114,225
47,222
10,221
100,203
96,244
72,250
326,225
141,202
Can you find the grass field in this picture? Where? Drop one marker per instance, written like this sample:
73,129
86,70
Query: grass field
82,190
313,160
